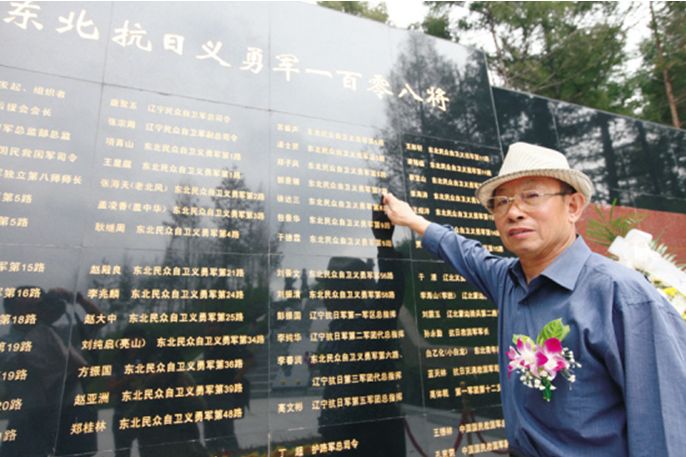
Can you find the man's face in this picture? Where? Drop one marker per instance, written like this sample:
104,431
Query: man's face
534,233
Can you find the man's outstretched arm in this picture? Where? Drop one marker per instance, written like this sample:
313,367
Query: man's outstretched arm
400,213
466,256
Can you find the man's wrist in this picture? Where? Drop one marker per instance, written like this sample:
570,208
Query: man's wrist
419,225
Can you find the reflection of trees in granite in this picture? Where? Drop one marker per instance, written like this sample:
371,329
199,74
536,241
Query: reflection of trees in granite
191,251
253,232
524,117
625,158
619,155
663,149
187,245
180,252
585,140
420,65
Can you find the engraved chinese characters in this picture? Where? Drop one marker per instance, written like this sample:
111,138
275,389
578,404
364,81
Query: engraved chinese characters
327,182
177,344
44,168
183,323
196,191
37,361
337,338
169,169
458,323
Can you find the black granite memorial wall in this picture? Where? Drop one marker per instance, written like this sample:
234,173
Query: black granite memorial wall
193,260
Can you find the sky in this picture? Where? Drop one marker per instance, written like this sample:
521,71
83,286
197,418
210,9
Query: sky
405,12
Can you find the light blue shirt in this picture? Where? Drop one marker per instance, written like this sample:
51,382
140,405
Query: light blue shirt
629,397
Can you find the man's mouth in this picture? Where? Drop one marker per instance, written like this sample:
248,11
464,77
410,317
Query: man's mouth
517,232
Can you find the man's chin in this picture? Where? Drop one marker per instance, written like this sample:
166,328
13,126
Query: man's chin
520,248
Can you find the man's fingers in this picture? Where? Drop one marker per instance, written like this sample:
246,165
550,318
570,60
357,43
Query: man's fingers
389,198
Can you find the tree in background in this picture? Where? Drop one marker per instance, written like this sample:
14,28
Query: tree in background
571,51
377,13
662,78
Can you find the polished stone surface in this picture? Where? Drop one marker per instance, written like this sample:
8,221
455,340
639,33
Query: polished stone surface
525,117
232,286
36,358
193,257
632,162
49,128
172,165
441,177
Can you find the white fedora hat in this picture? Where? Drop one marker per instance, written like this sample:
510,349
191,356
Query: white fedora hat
524,159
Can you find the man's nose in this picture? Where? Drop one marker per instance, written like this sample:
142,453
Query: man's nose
514,212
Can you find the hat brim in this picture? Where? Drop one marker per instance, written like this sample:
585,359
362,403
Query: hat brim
574,178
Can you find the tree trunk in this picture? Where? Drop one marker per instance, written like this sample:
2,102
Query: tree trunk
665,72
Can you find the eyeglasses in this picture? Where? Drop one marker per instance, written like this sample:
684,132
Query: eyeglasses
526,201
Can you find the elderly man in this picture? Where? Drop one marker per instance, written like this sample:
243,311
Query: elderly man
629,396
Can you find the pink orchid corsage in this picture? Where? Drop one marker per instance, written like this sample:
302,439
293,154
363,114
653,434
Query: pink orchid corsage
539,362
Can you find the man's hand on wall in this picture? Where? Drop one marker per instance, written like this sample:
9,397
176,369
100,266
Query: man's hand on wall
400,213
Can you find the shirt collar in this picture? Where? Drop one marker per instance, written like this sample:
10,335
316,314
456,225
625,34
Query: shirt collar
518,274
564,270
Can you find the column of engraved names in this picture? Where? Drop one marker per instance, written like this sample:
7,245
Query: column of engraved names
15,353
35,290
41,163
442,177
336,320
460,324
167,341
327,181
20,120
172,178
171,169
460,365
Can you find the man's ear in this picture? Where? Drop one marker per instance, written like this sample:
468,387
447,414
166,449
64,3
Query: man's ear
576,206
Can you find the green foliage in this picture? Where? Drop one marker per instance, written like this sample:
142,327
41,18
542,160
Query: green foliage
571,51
437,21
670,28
377,13
605,229
553,329
436,25
516,337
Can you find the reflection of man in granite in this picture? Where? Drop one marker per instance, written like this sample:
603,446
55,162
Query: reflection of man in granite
629,394
67,442
42,392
